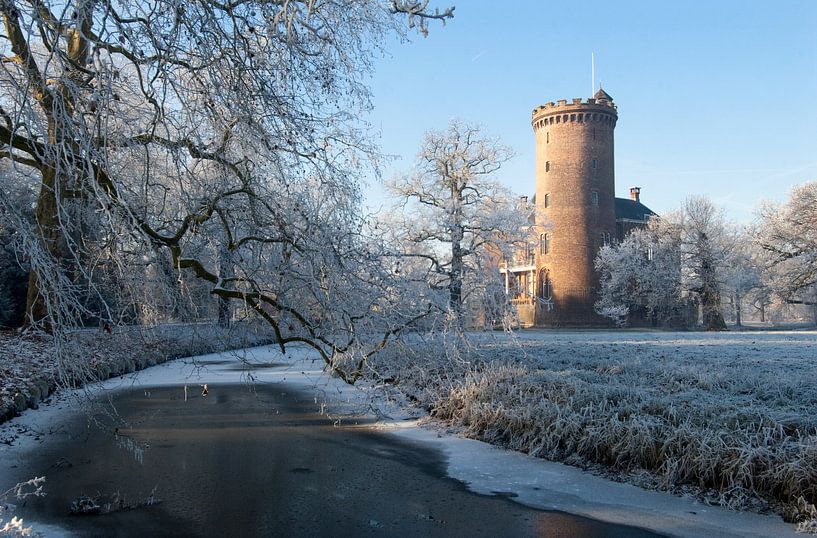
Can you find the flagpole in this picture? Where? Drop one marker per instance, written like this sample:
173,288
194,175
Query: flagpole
592,73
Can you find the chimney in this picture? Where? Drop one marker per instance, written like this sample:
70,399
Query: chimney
635,194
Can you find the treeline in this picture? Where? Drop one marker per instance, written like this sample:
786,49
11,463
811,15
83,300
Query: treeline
693,266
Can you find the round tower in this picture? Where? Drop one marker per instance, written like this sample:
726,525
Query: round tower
575,205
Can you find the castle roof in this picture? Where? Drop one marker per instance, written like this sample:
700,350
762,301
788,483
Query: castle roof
629,209
601,94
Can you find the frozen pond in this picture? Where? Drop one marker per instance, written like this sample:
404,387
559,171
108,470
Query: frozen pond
258,461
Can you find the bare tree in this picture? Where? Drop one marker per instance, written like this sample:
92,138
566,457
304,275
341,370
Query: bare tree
196,128
680,255
643,273
788,233
458,211
742,273
704,252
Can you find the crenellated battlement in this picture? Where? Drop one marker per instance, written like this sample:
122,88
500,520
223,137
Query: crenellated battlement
576,102
578,111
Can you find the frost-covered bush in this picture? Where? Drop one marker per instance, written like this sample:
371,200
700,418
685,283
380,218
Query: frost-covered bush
29,373
14,526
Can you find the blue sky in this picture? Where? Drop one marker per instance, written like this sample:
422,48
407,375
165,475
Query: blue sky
716,98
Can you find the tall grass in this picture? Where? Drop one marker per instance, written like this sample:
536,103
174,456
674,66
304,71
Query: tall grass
728,416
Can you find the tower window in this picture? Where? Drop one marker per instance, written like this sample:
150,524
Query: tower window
605,238
594,197
547,200
545,244
595,164
547,166
547,138
541,243
545,287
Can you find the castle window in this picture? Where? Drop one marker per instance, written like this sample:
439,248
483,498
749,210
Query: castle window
595,164
547,166
545,288
605,238
573,117
594,197
544,244
547,200
547,137
650,253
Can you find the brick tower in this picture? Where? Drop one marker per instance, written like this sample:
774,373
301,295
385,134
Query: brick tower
575,205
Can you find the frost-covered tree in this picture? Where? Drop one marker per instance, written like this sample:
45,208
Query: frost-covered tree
788,233
199,126
457,211
687,250
643,273
742,273
704,251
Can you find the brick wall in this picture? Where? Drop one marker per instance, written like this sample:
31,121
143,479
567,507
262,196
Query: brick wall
575,175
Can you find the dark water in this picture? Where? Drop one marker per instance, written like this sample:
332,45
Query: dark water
262,462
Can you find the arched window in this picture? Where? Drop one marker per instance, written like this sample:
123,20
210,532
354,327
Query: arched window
594,198
545,287
546,244
547,199
547,166
541,243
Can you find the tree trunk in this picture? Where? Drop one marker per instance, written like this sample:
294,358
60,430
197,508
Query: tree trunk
455,285
58,106
737,309
710,299
52,239
225,269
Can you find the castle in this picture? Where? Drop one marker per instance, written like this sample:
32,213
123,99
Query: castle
554,281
